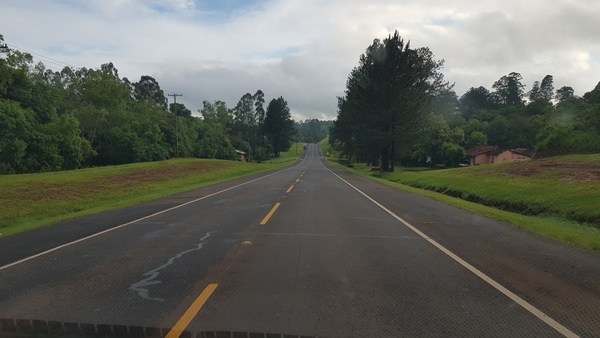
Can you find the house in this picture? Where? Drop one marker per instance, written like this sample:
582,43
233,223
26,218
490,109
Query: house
241,154
482,154
494,154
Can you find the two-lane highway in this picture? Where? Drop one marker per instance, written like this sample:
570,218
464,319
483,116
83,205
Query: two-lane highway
304,251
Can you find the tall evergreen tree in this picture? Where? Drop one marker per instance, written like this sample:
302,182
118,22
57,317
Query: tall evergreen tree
278,125
387,98
547,88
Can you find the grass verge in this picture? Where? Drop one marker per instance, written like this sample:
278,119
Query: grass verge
565,186
329,152
547,225
31,201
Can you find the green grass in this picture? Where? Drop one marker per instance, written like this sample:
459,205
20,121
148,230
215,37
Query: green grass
557,197
565,186
30,201
327,149
295,152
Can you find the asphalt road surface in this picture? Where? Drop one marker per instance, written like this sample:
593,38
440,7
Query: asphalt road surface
304,251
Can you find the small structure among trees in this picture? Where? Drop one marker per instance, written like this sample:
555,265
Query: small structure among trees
494,154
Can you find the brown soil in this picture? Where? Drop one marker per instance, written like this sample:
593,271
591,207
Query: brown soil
136,177
69,191
568,171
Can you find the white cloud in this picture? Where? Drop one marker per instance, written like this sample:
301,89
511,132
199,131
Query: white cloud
304,50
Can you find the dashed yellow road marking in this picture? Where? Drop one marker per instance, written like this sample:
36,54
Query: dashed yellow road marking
270,214
187,317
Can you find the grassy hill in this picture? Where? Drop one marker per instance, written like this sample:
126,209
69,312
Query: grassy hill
565,186
562,193
29,201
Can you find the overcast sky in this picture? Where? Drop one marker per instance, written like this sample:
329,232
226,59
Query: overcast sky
304,50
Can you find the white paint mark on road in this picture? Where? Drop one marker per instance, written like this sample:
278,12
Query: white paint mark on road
141,287
514,297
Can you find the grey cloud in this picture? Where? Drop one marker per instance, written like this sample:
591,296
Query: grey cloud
304,49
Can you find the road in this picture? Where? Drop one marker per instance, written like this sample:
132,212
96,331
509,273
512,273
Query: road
307,251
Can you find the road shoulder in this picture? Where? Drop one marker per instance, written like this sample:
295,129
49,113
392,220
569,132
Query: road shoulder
548,274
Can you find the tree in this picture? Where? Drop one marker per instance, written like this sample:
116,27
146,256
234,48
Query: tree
179,109
593,96
475,138
216,141
387,98
15,123
312,130
244,117
259,110
498,132
440,144
509,90
547,88
217,113
540,97
149,89
245,126
473,100
534,93
278,125
565,94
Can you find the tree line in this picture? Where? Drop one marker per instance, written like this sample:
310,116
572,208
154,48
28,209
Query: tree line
312,130
73,118
398,108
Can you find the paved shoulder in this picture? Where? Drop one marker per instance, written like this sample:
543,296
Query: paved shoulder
560,280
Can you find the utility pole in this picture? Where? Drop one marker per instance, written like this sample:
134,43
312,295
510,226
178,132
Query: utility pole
176,124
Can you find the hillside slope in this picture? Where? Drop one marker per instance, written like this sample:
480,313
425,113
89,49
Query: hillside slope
564,186
32,200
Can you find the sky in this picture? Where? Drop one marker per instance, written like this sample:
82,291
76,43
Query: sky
304,50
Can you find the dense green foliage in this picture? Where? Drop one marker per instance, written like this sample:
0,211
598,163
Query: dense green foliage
312,130
397,108
76,118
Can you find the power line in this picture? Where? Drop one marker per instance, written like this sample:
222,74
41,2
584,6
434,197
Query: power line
43,58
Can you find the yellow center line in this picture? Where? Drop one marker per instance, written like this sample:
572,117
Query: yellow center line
290,189
266,219
187,317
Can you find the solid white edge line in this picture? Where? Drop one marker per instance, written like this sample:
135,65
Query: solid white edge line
523,303
135,221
